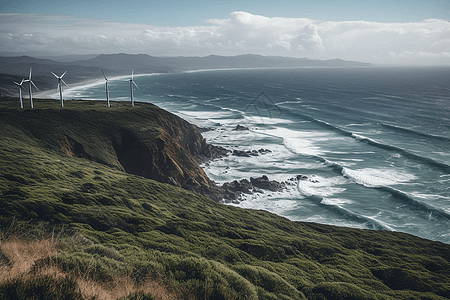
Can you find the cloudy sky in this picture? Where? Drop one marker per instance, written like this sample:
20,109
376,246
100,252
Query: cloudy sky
384,32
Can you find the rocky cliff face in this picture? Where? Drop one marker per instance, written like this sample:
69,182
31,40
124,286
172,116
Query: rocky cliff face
167,157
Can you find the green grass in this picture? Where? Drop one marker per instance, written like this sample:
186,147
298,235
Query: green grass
134,225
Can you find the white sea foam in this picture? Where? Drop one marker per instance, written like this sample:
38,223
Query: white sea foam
302,146
320,186
311,143
249,119
205,114
335,201
429,196
372,177
276,202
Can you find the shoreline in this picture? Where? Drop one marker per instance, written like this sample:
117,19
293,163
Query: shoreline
84,83
48,93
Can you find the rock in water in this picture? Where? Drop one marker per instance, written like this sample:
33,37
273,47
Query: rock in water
239,127
263,182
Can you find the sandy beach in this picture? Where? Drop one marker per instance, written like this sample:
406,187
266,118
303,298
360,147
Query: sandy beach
54,93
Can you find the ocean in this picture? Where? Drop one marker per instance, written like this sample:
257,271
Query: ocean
371,143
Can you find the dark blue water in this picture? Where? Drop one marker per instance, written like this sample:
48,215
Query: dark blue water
373,142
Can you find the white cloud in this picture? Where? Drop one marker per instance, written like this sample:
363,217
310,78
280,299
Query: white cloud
307,38
426,42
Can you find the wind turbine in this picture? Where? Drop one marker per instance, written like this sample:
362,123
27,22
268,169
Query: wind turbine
107,92
60,86
30,82
131,80
20,91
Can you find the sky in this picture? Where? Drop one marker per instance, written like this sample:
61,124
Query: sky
381,32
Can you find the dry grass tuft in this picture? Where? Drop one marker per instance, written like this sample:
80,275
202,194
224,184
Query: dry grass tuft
24,253
124,286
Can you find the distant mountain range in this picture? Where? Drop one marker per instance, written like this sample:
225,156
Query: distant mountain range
16,68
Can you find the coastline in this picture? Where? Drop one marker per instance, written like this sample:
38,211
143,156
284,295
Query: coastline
48,93
84,83
304,189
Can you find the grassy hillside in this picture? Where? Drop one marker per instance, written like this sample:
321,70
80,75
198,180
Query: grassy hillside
135,226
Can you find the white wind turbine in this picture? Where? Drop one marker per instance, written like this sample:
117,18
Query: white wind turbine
30,82
107,92
60,86
131,80
20,91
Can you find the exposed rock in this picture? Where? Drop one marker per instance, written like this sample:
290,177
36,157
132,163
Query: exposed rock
204,129
263,182
172,181
303,177
249,153
216,193
241,153
72,148
240,127
210,152
233,191
243,186
264,151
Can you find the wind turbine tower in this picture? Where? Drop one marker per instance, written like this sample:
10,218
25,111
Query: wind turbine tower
106,87
131,80
20,91
30,82
60,86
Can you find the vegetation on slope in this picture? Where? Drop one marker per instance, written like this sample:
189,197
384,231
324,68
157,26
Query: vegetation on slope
146,230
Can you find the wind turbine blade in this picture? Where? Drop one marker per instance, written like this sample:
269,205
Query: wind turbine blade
20,85
136,85
55,75
104,75
63,74
29,77
64,82
34,85
132,74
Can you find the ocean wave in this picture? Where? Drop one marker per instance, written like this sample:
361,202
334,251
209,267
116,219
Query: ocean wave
415,132
426,160
425,207
337,168
422,159
381,179
368,222
320,186
373,177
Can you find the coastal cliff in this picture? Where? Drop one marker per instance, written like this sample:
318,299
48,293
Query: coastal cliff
145,141
87,167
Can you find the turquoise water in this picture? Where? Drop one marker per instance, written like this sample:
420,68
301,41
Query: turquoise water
373,142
